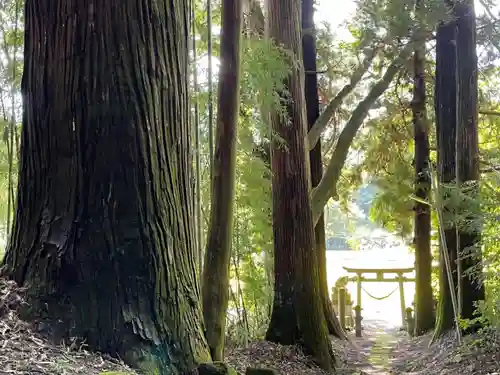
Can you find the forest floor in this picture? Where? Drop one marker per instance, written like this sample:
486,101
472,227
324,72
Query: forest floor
25,352
381,350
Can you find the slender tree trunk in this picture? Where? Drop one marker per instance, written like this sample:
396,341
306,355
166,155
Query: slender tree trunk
196,121
104,226
315,158
215,286
424,305
298,315
446,119
467,159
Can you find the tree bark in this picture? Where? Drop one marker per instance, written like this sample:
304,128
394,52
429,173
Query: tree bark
467,159
254,20
446,119
424,305
215,286
298,315
316,159
104,230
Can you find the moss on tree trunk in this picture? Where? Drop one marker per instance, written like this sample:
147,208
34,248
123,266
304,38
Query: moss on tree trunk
104,226
298,316
424,305
215,287
316,159
446,118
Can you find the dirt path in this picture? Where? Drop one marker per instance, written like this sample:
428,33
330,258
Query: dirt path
385,350
378,349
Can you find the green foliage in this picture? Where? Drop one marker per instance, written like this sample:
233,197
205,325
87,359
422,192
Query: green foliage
263,72
11,42
264,68
388,153
378,176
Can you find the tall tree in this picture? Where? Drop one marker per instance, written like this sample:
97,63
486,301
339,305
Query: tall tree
471,289
215,284
298,315
424,306
315,156
104,226
327,187
446,119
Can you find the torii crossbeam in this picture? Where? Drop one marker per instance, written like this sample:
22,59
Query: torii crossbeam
380,277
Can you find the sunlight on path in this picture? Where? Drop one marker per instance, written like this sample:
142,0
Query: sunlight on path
381,318
380,353
378,342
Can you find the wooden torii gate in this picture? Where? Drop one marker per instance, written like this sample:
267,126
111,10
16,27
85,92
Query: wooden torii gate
380,277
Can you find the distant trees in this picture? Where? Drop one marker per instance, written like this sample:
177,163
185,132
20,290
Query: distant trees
103,231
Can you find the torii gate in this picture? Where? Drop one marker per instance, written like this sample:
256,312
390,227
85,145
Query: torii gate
380,277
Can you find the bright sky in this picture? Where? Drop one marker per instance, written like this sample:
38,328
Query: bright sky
334,12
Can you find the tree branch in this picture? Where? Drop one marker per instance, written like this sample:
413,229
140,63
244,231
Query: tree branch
328,186
488,112
322,122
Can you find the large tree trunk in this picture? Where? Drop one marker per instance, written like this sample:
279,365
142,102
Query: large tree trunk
215,286
446,119
315,158
298,315
424,306
467,155
104,227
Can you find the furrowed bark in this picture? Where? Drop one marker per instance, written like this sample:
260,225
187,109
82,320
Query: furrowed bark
215,286
424,305
467,159
446,118
315,158
104,230
254,17
320,124
298,316
327,188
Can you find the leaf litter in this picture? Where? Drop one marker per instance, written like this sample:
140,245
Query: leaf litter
25,351
479,354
